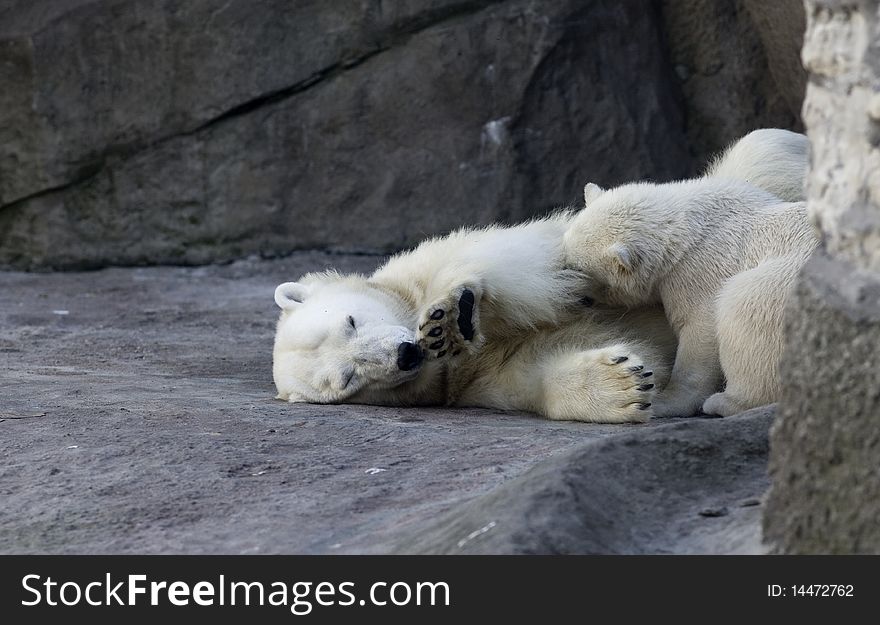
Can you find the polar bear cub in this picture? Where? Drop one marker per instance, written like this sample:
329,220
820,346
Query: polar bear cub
721,256
772,159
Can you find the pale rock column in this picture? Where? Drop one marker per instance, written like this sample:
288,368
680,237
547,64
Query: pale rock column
825,445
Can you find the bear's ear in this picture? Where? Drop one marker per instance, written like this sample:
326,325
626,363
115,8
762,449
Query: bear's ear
290,294
624,255
591,192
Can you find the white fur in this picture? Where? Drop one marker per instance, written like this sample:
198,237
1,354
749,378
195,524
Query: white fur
319,357
536,348
770,158
719,254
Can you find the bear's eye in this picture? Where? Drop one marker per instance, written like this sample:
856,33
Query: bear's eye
351,322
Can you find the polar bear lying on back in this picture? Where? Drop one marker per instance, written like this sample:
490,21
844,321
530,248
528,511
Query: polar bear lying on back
482,317
454,322
721,256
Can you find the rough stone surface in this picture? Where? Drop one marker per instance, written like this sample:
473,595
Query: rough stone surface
738,65
161,131
826,444
825,495
663,490
780,25
841,53
178,132
137,416
98,78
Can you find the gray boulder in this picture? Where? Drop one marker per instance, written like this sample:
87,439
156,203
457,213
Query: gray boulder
738,66
169,132
688,487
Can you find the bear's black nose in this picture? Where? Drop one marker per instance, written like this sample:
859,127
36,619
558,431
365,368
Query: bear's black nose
409,356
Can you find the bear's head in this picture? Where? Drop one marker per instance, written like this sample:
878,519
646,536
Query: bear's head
614,242
340,338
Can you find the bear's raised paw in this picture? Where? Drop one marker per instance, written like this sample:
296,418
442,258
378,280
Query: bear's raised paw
451,325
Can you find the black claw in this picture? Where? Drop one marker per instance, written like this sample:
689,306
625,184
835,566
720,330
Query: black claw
646,387
436,331
637,368
644,406
647,374
437,314
437,344
441,354
620,359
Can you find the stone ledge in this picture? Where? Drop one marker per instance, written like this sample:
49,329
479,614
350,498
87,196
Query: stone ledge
825,496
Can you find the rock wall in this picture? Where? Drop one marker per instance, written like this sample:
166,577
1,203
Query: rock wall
825,449
738,66
164,131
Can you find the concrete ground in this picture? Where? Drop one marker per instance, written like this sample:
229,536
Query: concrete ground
137,415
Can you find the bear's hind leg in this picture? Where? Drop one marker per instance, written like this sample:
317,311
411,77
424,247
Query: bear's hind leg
724,404
750,336
606,385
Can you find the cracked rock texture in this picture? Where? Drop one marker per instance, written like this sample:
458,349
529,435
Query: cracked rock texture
137,415
161,131
825,453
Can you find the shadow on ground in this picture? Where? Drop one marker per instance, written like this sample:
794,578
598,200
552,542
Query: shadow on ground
137,416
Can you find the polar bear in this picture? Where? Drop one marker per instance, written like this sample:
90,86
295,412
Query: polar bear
772,159
454,322
719,254
484,317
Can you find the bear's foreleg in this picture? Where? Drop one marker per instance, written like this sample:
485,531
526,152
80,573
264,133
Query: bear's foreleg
696,373
450,326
